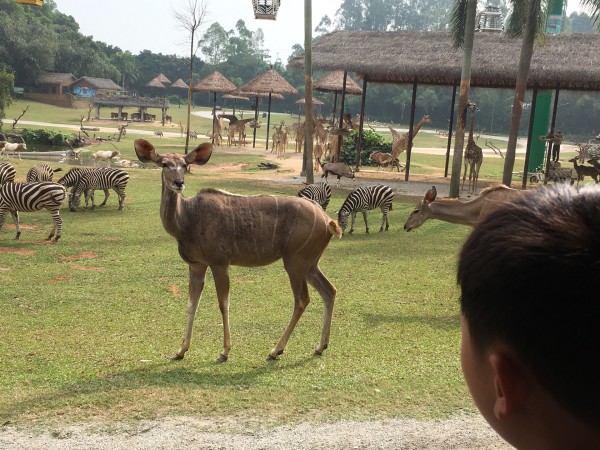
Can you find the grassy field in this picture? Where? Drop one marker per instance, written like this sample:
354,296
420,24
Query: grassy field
89,324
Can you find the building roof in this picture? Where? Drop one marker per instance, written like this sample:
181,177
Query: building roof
566,61
99,83
56,78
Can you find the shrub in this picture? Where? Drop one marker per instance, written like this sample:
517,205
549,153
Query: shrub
371,141
45,137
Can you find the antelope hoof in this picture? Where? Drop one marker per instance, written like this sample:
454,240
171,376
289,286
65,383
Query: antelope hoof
221,359
177,357
319,351
18,235
275,356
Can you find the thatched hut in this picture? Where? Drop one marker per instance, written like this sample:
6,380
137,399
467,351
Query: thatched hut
215,82
269,83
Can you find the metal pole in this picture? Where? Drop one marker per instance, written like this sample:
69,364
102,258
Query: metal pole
255,123
268,121
529,133
360,126
410,131
550,143
450,126
214,115
307,161
341,136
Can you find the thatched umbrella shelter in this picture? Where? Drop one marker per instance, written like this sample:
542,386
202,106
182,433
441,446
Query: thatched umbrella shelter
429,58
154,83
268,83
315,102
235,98
162,78
180,84
215,82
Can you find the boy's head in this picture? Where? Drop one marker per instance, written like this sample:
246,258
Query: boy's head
530,290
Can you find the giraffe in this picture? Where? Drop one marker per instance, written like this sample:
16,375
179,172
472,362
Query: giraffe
473,154
400,142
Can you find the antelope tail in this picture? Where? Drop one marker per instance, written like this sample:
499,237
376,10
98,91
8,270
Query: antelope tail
334,228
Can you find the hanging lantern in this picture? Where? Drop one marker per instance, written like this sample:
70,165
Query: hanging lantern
490,19
265,9
31,2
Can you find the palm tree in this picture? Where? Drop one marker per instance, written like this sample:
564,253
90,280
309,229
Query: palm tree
463,31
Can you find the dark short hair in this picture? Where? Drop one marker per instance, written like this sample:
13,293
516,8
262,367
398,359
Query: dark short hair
530,277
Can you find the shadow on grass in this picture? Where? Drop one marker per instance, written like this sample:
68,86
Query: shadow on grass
438,322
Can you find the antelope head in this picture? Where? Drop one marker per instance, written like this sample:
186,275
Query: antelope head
173,165
422,212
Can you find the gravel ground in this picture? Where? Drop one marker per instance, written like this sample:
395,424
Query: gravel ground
464,433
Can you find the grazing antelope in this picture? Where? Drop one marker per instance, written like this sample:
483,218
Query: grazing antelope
217,229
455,211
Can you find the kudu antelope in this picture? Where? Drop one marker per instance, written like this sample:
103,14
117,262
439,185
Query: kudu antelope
455,211
217,229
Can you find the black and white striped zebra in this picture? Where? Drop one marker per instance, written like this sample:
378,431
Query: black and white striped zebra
364,199
102,178
41,172
28,197
7,173
72,177
318,192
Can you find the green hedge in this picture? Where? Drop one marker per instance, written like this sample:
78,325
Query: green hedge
45,137
371,141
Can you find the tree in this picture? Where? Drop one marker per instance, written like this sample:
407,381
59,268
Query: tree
463,30
7,83
190,19
127,65
214,43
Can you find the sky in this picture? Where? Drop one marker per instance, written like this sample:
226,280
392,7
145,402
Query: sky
138,25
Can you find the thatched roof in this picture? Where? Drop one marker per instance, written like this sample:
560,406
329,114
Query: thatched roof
215,82
55,78
99,83
268,82
315,101
180,84
155,83
163,79
236,97
238,92
566,61
334,82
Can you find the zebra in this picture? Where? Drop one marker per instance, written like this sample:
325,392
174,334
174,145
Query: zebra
72,177
318,192
364,199
27,197
104,178
7,173
42,172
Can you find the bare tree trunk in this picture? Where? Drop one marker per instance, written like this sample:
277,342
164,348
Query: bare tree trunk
307,163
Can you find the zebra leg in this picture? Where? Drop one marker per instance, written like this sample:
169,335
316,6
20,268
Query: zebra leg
384,220
15,216
57,228
352,219
106,194
364,213
121,196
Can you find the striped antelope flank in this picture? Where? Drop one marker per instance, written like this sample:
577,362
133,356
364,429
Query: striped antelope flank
7,173
364,199
104,179
28,197
318,192
41,172
217,229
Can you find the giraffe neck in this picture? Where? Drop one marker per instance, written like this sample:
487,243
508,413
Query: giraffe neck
418,127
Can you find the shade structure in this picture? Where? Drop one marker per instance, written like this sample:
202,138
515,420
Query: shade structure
155,83
215,82
334,82
162,78
180,84
315,102
269,83
235,98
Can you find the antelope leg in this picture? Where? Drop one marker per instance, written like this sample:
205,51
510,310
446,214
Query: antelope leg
196,284
221,276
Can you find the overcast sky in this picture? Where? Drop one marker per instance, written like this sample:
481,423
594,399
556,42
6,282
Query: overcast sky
138,25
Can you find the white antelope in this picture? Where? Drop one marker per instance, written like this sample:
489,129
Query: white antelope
455,211
217,229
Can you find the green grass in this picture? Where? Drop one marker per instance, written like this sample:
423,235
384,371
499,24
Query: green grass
89,323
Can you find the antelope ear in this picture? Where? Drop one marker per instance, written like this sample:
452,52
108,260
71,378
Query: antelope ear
145,151
430,195
200,155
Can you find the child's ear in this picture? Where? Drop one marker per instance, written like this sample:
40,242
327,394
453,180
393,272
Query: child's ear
510,384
